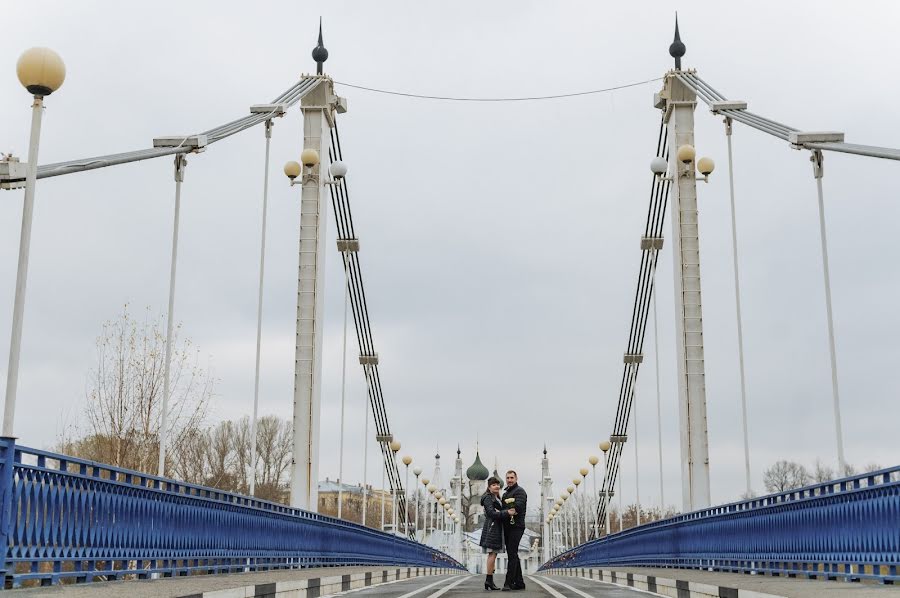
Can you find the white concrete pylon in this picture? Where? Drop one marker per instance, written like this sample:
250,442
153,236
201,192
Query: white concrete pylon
318,119
547,501
680,102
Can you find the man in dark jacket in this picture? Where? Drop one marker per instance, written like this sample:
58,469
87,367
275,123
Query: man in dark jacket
514,498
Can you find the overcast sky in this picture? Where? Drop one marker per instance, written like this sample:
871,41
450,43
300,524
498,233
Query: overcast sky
499,241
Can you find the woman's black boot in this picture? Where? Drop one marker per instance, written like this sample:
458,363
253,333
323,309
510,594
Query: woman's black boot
489,583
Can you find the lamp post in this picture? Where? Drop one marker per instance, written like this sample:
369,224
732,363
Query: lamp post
417,471
584,471
573,515
557,506
395,447
593,460
365,492
41,71
577,522
429,519
604,446
383,471
548,541
438,519
407,461
443,510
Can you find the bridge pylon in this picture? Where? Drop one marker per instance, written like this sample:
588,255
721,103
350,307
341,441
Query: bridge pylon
678,102
318,108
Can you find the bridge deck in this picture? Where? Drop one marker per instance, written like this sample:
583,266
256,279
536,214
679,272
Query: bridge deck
260,583
452,585
762,584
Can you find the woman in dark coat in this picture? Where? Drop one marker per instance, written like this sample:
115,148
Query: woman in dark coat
492,532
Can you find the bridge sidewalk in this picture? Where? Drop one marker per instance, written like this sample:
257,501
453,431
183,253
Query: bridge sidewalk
689,582
302,583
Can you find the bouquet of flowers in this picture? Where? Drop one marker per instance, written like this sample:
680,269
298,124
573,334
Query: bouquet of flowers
510,504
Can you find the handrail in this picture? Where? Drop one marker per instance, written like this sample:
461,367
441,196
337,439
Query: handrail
842,528
63,517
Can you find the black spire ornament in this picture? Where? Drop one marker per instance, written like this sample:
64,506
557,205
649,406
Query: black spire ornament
319,53
676,50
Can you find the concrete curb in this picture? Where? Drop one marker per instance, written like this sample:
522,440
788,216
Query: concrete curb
675,588
317,587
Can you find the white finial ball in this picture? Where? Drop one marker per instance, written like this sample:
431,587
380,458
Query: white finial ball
593,460
417,471
309,157
338,170
576,481
705,166
430,487
605,445
395,445
584,471
686,153
659,165
41,71
570,489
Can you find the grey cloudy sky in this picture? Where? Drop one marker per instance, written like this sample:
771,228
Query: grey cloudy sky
499,241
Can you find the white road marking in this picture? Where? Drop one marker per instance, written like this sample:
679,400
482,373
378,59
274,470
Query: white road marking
388,583
446,589
429,586
547,588
586,595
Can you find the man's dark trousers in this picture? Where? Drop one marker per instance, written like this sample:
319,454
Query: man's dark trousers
513,535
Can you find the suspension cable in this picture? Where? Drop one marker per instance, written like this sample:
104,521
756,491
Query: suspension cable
259,309
659,193
501,99
737,301
340,200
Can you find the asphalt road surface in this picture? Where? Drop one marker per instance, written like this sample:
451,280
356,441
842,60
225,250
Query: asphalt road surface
456,586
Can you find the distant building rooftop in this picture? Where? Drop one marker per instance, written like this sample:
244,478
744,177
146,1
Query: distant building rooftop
335,486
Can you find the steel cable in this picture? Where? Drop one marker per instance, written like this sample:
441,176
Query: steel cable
644,291
340,199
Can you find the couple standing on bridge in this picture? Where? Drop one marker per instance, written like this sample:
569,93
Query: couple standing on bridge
504,523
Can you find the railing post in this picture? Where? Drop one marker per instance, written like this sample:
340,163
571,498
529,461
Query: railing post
7,465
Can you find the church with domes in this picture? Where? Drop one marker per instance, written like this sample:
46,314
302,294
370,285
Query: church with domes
477,474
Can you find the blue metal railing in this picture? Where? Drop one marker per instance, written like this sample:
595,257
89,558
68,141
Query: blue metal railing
847,528
62,517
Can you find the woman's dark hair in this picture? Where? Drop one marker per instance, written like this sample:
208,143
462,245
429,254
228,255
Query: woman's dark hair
492,480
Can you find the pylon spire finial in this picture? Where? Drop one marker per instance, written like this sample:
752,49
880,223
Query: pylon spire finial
319,53
677,48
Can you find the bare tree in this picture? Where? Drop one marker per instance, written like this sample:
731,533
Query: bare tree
242,469
785,475
124,397
273,445
220,456
847,470
190,461
822,473
870,467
